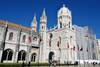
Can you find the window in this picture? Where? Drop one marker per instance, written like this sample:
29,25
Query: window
70,36
92,45
69,24
42,27
35,38
10,35
22,55
60,25
33,57
72,28
51,35
7,54
24,38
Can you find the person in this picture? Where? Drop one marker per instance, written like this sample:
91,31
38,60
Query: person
29,64
50,62
54,63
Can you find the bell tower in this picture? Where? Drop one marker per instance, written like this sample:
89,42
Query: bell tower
43,27
43,22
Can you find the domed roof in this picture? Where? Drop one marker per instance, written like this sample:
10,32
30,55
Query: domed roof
64,11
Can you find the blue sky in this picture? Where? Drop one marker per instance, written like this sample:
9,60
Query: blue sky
84,12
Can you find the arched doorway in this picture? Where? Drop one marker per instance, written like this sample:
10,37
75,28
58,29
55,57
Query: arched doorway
7,55
22,55
51,54
33,57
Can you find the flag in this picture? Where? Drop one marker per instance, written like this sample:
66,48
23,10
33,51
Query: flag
29,39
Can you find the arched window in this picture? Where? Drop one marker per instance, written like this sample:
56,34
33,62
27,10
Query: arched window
10,35
22,55
51,57
42,27
7,54
23,38
34,38
69,24
51,35
33,57
60,25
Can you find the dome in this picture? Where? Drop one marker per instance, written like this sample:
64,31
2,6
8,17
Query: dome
64,11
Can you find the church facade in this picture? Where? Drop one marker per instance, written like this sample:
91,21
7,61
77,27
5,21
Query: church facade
59,41
65,42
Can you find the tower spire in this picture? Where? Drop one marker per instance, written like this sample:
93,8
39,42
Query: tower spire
34,19
63,5
44,14
34,23
43,17
43,21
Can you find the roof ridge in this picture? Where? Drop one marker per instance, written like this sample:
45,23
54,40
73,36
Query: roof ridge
14,25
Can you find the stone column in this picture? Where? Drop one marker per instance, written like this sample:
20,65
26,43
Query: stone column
0,55
28,54
16,57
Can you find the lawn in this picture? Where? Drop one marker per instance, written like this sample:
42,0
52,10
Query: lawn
26,64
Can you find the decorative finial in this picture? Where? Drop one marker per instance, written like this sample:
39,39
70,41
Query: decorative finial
63,5
34,16
34,19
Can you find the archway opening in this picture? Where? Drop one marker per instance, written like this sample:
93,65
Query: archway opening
22,55
51,54
7,55
33,57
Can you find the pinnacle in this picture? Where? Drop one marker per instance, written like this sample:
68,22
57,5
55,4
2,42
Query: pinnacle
34,19
63,5
44,14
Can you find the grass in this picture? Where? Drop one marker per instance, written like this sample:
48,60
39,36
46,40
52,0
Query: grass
21,64
25,64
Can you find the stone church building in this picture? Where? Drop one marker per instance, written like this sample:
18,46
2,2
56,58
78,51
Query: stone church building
62,43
